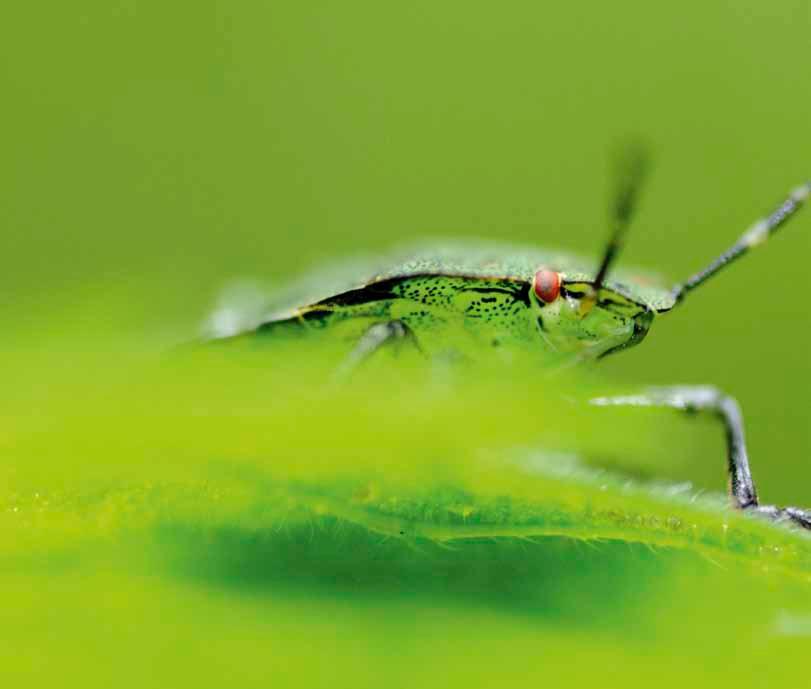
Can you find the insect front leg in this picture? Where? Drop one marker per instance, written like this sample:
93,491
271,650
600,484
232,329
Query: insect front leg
695,399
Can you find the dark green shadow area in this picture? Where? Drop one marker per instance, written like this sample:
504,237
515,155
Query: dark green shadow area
583,584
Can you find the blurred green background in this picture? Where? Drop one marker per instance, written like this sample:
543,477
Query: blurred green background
152,152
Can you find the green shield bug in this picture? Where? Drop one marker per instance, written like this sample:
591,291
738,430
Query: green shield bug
472,296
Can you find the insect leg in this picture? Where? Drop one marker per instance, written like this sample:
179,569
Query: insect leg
375,338
794,514
693,399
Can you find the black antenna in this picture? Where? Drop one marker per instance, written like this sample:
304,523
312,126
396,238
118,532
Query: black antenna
631,165
755,235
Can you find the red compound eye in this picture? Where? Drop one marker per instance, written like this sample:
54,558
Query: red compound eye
547,285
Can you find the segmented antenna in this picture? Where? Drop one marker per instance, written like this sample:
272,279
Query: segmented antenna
630,169
755,235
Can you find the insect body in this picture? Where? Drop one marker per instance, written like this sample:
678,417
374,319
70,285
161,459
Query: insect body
465,296
455,296
464,293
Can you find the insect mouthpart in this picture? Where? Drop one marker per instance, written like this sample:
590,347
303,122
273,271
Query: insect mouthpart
582,299
587,301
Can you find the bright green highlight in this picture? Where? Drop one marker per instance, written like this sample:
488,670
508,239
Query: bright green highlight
237,494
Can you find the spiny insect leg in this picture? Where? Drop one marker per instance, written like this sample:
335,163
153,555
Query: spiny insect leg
374,339
693,399
794,514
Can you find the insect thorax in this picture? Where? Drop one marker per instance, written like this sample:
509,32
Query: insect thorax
442,311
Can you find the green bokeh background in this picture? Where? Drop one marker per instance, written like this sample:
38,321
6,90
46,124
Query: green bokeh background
154,151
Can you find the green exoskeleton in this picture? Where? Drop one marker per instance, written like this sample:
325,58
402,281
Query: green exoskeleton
467,297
